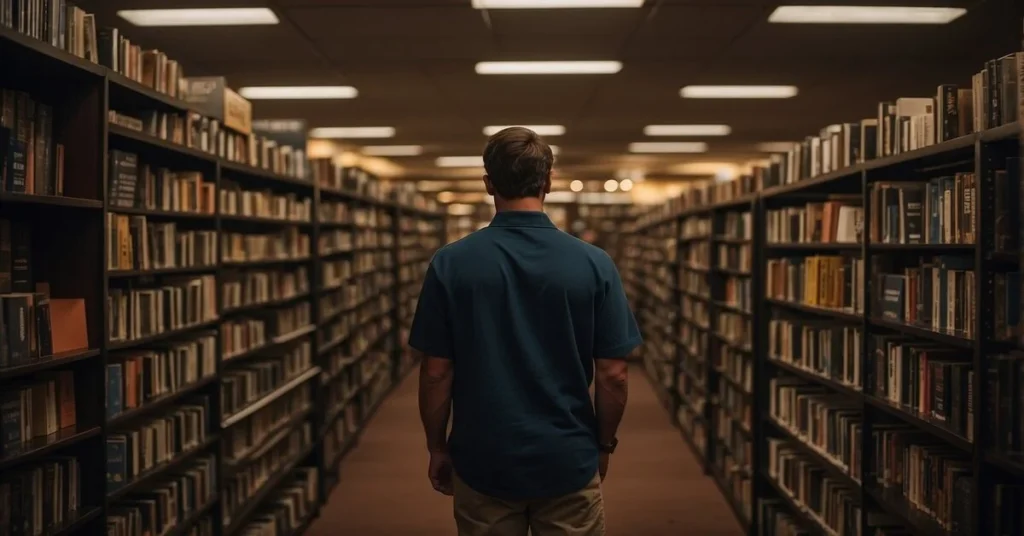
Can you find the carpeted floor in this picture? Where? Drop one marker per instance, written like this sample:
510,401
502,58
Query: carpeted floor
655,486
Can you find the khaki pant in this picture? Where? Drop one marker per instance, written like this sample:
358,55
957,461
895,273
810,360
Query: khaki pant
577,514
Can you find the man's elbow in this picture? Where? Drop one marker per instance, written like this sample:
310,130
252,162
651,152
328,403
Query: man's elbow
612,373
436,369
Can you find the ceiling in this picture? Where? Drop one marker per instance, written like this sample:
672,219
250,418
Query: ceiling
412,62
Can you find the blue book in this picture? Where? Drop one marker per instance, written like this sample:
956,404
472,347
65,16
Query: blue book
892,297
115,399
10,417
117,462
935,203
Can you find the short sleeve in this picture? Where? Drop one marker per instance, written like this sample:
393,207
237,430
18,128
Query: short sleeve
430,332
615,331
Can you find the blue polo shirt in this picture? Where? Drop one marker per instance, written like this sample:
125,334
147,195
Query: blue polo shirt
523,309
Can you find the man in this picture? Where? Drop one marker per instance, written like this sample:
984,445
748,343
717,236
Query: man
514,322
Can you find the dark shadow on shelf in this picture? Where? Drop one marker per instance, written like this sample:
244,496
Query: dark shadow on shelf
924,333
924,424
160,402
46,445
46,363
897,505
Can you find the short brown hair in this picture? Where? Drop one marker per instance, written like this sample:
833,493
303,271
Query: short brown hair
518,163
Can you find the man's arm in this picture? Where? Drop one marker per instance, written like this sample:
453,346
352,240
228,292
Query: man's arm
611,388
615,336
436,374
430,336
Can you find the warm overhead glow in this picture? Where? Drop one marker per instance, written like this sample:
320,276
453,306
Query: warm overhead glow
459,161
392,150
668,147
738,92
353,132
548,67
625,185
611,185
865,14
543,130
576,185
726,174
298,92
240,16
555,150
687,130
554,4
700,168
775,146
445,197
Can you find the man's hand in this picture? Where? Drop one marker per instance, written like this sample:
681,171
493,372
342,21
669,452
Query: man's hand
440,472
602,465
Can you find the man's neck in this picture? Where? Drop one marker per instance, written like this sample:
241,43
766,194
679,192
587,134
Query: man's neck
526,204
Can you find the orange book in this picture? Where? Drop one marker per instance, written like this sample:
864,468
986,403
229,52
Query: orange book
66,398
131,388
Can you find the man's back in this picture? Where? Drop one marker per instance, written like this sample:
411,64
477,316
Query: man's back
513,322
524,304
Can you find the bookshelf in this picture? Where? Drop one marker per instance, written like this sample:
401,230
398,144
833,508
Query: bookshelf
202,301
884,331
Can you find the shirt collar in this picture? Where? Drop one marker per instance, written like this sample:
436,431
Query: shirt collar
522,218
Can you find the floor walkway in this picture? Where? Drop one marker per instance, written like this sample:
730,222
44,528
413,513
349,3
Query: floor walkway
654,486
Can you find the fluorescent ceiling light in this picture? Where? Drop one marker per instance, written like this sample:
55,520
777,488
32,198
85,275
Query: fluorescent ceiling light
775,146
576,185
298,92
241,16
687,130
625,185
669,147
865,15
611,185
554,4
392,150
459,161
353,132
543,130
738,92
548,67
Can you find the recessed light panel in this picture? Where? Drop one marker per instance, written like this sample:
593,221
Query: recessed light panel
548,67
738,92
543,130
459,161
687,130
668,147
865,15
353,132
241,16
554,4
392,150
298,92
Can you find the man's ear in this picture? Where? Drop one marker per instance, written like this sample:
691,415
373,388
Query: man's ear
488,185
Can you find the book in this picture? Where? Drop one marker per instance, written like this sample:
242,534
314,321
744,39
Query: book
924,472
143,448
137,313
138,377
926,380
819,346
247,383
825,281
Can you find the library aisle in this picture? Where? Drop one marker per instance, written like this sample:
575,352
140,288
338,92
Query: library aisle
655,486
